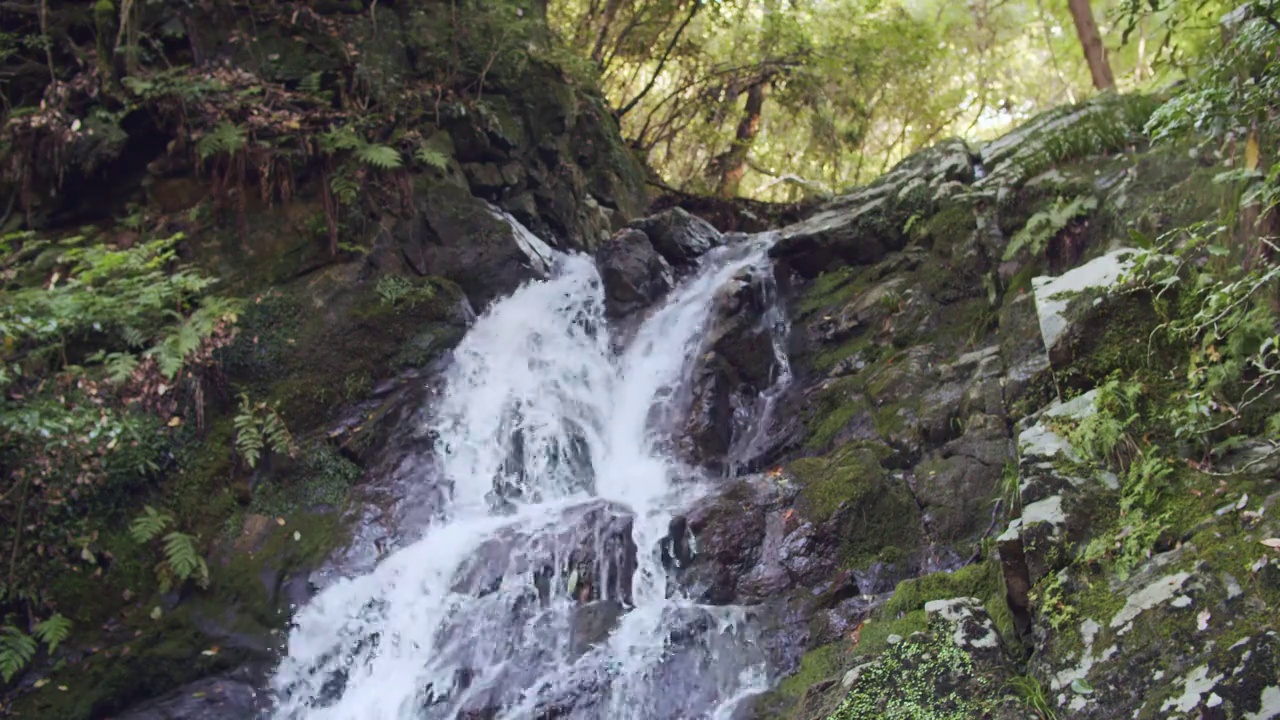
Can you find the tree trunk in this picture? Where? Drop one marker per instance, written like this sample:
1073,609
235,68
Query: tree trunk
732,164
1094,51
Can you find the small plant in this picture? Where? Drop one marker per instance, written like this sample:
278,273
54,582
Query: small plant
394,290
1105,436
226,138
1033,695
1046,224
259,427
181,559
431,157
18,648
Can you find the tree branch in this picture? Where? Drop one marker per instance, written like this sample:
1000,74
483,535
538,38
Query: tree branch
693,10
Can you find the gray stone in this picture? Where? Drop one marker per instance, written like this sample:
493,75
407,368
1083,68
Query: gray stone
634,274
681,238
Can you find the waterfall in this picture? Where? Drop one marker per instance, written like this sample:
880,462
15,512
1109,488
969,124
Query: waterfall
541,591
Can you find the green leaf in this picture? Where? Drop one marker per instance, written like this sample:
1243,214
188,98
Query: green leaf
381,157
53,631
1081,686
16,650
432,157
149,524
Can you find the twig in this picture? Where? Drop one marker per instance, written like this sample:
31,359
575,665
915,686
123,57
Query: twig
1275,450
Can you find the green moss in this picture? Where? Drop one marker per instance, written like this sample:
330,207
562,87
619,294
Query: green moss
816,665
880,513
950,225
848,473
828,358
874,636
981,580
831,288
832,410
164,655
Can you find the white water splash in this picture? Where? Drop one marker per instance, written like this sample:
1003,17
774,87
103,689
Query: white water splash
483,614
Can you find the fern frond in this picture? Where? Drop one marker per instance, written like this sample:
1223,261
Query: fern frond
344,189
340,138
53,631
276,433
381,157
149,524
180,552
16,650
120,365
431,157
227,138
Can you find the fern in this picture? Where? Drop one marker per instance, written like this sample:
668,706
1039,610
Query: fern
382,157
311,82
259,427
16,650
53,632
431,157
183,559
120,365
344,188
1047,223
149,524
340,138
227,138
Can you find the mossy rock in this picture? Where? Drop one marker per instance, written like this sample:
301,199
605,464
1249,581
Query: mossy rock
871,511
164,655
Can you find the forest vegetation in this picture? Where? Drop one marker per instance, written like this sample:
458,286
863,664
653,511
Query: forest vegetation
172,173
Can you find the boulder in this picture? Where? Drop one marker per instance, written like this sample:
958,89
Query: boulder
232,696
742,546
947,671
680,237
738,363
589,550
458,236
634,274
860,228
1063,302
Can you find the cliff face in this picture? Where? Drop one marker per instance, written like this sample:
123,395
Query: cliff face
992,464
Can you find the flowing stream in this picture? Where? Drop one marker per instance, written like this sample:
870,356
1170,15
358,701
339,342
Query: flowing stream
539,592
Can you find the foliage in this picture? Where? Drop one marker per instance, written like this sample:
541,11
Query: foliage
259,427
182,561
18,648
849,86
1046,224
394,291
1032,693
106,349
1225,313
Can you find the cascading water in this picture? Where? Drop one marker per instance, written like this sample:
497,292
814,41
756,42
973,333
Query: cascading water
541,592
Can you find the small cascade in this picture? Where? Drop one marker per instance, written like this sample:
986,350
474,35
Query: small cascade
540,590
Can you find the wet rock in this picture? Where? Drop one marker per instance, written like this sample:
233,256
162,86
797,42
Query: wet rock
681,238
592,624
232,696
746,550
634,274
737,364
590,543
955,484
862,227
456,235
